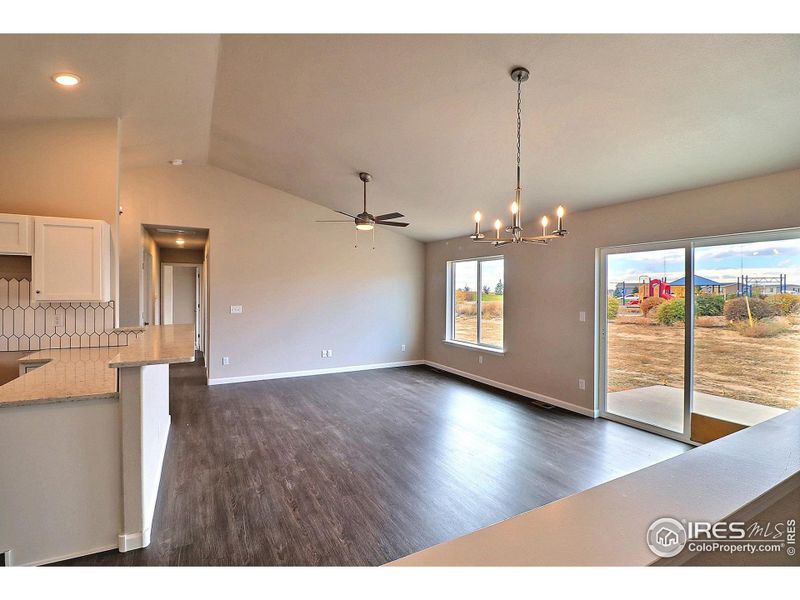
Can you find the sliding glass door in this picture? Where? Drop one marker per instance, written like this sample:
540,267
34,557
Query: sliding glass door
699,338
644,338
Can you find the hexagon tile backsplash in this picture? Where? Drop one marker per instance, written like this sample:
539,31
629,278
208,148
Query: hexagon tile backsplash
24,325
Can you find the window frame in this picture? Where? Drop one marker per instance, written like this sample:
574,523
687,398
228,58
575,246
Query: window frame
451,312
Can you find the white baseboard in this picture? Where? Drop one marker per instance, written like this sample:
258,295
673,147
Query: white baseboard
78,554
407,363
515,390
133,541
287,374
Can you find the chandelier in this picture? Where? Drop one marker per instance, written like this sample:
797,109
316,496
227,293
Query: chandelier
514,231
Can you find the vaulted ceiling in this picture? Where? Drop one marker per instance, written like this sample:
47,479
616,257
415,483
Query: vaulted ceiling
606,118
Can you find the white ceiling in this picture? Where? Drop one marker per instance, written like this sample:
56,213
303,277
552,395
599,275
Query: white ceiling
161,85
607,118
165,236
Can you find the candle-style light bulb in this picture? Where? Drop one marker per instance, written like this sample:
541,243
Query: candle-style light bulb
560,214
477,216
544,225
514,208
497,226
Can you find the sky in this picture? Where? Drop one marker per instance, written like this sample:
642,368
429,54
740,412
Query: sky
467,274
719,263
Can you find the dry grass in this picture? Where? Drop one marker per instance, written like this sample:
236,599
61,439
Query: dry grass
761,370
711,322
490,309
765,328
491,330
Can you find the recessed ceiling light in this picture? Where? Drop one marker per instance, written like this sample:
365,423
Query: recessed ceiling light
66,79
176,162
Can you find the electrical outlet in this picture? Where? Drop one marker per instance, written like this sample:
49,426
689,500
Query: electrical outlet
480,359
582,316
581,384
226,360
324,353
330,353
58,319
402,347
236,309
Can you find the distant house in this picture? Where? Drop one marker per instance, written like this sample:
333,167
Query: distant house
770,289
704,285
626,288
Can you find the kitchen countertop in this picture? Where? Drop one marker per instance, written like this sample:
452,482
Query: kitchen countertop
84,373
158,345
70,374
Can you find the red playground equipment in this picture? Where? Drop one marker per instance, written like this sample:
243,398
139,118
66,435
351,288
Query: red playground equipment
653,287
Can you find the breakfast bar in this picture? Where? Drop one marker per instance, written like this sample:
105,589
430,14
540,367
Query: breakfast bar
83,438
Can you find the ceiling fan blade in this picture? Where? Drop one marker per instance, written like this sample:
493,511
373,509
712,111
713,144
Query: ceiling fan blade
335,221
345,214
392,223
394,215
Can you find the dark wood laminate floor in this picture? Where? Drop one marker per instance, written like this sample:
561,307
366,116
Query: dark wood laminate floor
363,468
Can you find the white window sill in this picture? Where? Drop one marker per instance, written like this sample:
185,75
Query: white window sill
479,348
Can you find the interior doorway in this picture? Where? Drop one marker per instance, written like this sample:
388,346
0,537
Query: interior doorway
175,279
181,297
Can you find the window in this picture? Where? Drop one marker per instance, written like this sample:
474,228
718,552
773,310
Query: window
475,302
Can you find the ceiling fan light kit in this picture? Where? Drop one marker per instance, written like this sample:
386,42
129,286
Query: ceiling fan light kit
364,221
519,75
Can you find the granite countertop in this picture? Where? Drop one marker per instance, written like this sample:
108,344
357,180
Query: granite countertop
69,374
160,344
84,373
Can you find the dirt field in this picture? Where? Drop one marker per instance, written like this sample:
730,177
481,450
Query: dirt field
491,330
761,370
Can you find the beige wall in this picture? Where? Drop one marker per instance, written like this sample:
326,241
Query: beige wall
179,255
303,285
548,349
61,168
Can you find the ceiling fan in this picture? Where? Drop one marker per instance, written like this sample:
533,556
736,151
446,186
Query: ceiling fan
365,221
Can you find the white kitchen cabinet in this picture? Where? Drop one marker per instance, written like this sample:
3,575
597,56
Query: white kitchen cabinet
16,234
71,260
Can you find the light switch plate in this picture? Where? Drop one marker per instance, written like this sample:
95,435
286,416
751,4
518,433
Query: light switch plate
236,309
582,316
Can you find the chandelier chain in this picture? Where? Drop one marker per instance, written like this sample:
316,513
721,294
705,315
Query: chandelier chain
519,124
